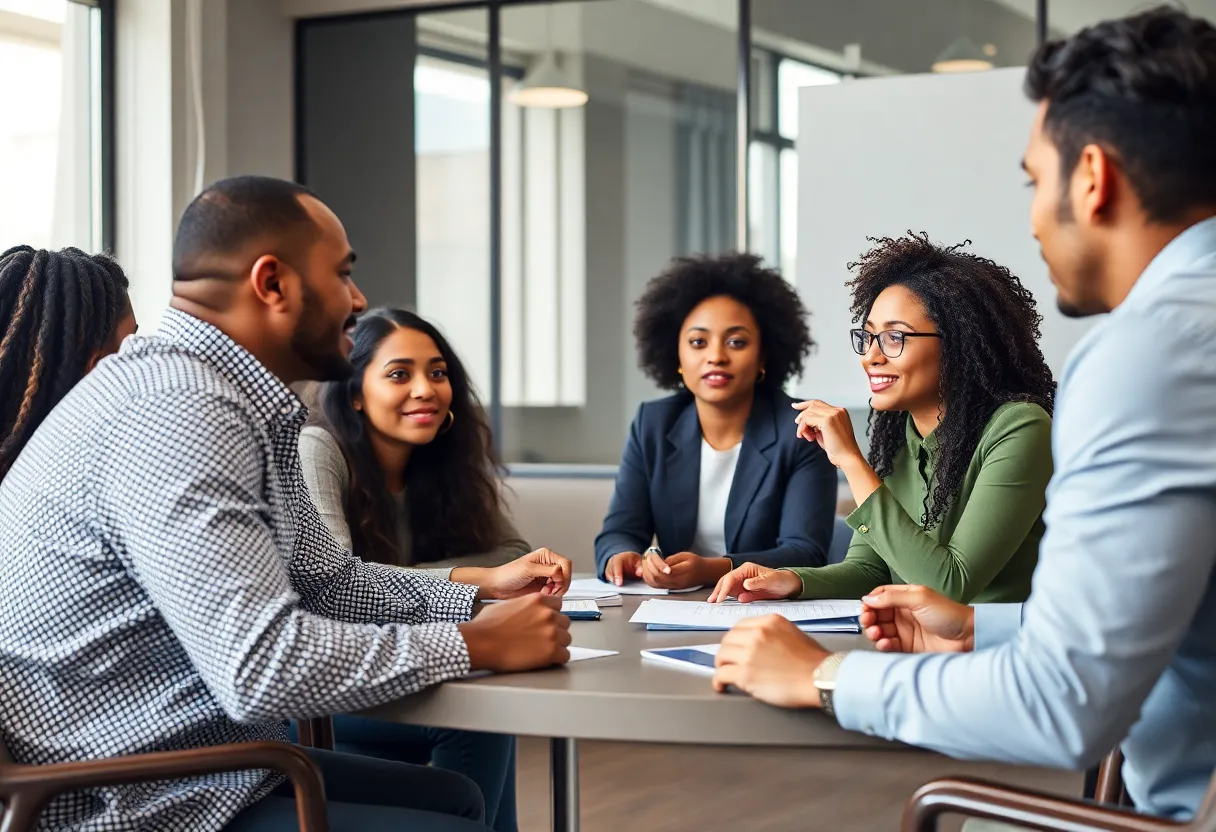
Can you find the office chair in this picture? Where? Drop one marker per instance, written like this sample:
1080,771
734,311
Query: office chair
1027,809
842,535
26,789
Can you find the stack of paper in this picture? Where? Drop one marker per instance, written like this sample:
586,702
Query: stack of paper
810,616
602,597
595,588
573,606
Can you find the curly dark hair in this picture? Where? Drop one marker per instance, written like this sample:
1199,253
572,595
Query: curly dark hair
1143,88
785,338
990,349
452,487
58,311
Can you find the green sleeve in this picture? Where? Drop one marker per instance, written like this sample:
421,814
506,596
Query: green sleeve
1008,497
861,571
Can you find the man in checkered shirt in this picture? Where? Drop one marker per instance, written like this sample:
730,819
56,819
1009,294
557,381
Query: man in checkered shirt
167,582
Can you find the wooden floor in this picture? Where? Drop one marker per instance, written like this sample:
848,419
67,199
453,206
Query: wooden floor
663,788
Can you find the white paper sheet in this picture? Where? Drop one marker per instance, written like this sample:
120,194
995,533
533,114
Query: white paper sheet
703,615
579,654
572,604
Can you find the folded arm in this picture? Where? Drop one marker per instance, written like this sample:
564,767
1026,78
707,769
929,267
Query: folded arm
201,539
1006,501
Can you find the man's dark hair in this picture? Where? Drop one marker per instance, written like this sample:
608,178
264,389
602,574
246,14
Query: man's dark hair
58,309
785,338
1144,89
231,214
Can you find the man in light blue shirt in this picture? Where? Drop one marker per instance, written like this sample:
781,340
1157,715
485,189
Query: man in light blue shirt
1117,642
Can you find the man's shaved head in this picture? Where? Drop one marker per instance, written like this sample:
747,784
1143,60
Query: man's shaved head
235,221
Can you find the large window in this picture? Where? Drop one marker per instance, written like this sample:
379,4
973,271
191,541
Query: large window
773,157
649,173
596,199
50,135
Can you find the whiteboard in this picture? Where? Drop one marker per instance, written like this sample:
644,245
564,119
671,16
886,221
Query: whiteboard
937,153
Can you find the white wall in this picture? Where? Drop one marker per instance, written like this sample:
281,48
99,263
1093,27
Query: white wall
924,153
245,79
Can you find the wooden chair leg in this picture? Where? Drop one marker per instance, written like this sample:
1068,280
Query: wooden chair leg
316,733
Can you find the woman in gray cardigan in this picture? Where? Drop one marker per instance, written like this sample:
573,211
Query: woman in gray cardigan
401,469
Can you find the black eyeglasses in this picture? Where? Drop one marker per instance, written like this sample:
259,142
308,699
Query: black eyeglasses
890,341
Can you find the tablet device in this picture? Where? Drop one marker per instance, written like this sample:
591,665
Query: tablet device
690,658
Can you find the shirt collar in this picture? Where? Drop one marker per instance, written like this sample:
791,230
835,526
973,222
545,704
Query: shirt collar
271,399
1179,255
916,443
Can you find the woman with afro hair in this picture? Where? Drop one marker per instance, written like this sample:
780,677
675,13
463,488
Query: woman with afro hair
953,492
716,472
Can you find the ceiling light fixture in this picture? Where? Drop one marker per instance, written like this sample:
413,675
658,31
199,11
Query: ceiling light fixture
546,85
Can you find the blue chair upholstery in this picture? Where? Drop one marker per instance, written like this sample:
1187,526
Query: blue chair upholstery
841,535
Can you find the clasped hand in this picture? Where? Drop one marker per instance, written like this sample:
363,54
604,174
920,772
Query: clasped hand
543,571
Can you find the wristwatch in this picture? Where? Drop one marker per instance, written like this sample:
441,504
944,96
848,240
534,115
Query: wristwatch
825,680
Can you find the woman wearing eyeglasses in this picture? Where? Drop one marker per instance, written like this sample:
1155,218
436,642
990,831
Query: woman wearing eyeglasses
952,494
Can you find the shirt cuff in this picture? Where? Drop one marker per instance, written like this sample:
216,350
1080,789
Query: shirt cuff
861,517
453,602
996,623
446,655
857,699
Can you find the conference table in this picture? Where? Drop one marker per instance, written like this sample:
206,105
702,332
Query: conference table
622,698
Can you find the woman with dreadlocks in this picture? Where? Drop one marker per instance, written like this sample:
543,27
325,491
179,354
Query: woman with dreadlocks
960,433
60,313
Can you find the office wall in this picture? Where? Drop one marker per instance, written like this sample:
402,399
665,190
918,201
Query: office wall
953,172
357,143
259,78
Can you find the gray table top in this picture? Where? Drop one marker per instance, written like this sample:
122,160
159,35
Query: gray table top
624,697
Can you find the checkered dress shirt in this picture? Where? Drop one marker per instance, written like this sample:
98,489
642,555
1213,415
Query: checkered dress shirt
168,584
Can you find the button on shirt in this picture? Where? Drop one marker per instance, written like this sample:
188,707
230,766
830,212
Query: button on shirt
1118,638
169,585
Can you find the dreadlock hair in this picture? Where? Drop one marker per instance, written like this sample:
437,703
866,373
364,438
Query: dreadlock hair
454,500
989,325
58,309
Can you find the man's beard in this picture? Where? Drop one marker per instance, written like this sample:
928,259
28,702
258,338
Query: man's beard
317,344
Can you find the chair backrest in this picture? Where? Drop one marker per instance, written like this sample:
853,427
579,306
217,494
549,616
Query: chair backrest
842,533
562,513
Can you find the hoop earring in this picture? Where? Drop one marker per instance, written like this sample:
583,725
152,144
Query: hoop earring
449,420
763,373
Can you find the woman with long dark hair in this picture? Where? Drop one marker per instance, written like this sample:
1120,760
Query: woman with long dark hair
400,464
60,313
952,494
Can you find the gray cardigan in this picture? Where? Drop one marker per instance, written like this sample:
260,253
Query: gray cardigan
328,478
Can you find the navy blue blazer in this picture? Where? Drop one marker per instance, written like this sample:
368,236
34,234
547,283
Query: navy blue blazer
782,501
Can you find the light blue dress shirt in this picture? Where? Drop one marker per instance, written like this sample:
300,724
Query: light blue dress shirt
1118,638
